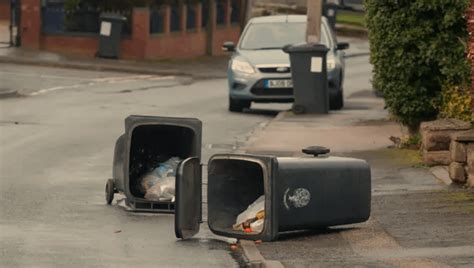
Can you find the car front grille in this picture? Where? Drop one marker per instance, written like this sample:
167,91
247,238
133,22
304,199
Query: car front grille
277,70
272,91
260,90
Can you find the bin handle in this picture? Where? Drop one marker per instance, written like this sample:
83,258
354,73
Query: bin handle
316,150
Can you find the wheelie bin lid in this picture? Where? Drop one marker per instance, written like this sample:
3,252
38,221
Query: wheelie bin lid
305,48
112,16
188,214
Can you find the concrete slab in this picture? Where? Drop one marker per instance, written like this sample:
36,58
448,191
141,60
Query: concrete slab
441,173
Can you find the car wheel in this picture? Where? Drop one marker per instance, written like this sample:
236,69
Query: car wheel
337,102
238,105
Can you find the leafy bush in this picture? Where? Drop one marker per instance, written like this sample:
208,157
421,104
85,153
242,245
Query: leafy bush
455,103
416,47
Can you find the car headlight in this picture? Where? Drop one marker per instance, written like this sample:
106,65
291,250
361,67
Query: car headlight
331,63
242,66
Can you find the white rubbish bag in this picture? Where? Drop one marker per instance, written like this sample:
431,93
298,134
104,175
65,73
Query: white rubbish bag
159,184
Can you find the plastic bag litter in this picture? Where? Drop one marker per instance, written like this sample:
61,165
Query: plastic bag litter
163,190
159,184
253,218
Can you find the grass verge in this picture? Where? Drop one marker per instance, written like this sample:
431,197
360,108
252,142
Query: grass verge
351,18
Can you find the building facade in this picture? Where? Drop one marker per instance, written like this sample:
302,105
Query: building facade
178,29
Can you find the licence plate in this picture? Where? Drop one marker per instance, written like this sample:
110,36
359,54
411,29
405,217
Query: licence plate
286,83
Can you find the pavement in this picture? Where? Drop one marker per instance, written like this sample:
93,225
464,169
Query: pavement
199,68
417,219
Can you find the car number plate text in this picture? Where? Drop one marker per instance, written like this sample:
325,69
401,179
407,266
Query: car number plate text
282,83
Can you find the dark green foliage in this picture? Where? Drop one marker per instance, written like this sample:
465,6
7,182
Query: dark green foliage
417,46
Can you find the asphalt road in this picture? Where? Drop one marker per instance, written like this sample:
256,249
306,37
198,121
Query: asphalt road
56,154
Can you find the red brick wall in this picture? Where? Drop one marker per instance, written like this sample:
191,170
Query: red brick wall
177,45
184,44
74,45
136,47
30,29
228,33
5,10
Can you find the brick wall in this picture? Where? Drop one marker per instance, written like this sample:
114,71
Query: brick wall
141,45
74,45
30,29
5,10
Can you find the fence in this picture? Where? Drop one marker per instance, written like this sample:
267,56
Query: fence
55,26
56,19
192,12
157,17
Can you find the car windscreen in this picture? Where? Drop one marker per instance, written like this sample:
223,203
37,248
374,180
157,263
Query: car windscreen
276,35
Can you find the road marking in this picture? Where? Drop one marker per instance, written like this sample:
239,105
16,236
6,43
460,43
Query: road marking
124,79
111,79
121,78
158,78
47,90
43,76
106,80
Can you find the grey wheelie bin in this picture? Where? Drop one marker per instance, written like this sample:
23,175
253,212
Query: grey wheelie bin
309,73
110,34
300,193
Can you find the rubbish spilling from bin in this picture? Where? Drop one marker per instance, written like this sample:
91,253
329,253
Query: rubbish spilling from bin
285,193
139,156
159,184
253,218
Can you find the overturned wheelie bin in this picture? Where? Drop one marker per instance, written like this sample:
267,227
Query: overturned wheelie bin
253,197
147,143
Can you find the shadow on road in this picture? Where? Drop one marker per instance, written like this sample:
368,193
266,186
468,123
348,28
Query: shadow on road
310,233
267,112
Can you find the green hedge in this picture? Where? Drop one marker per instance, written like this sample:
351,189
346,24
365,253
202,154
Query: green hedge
417,47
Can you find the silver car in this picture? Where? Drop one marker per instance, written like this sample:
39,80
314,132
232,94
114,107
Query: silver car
259,70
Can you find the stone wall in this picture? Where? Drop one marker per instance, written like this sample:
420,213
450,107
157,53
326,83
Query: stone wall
436,139
461,170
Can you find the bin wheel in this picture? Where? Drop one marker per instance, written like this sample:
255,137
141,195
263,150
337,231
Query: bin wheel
337,103
109,191
298,109
238,105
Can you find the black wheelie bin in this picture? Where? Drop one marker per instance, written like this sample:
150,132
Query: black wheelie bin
147,142
300,193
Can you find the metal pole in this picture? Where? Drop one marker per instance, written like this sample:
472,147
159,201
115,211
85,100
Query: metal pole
211,26
313,30
248,10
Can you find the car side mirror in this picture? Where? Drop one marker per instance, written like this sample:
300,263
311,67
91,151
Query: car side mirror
342,46
228,46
